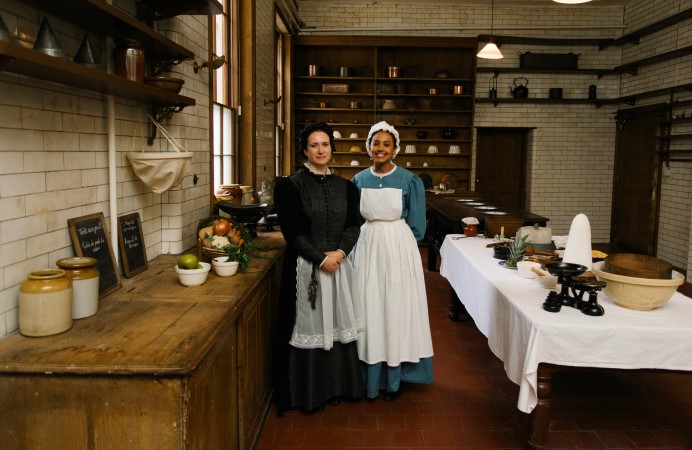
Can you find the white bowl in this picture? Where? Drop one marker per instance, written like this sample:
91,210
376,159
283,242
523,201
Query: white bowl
642,294
223,267
547,281
193,277
524,269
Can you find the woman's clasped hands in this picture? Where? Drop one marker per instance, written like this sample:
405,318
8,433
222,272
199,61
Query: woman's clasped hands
333,261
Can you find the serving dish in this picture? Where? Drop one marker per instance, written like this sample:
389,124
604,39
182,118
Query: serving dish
168,83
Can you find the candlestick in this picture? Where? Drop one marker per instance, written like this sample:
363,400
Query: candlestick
502,232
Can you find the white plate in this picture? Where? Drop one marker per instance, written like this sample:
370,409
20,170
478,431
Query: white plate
486,207
496,213
464,200
475,203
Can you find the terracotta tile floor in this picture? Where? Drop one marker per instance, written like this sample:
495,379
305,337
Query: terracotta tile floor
472,405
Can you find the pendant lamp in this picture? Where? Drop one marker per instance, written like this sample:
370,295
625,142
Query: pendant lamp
571,2
490,51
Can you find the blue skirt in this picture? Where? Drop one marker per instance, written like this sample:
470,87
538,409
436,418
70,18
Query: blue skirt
379,376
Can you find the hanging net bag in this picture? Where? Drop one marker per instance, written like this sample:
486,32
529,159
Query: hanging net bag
161,171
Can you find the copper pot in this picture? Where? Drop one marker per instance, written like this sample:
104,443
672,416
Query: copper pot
393,72
313,70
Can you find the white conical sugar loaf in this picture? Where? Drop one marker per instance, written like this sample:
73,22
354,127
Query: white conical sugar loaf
578,248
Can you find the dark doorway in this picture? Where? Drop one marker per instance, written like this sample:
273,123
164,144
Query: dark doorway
501,166
636,172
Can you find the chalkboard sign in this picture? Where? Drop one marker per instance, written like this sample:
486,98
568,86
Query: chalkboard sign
90,238
132,250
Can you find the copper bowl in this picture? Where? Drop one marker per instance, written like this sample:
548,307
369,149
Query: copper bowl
170,84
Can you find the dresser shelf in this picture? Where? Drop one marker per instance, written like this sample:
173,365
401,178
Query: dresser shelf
17,59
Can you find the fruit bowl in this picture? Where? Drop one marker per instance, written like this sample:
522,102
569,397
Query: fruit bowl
193,277
642,294
223,267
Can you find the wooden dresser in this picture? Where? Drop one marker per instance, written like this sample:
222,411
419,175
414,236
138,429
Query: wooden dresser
160,366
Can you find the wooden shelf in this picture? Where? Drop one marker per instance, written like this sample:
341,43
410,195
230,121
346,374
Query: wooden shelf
17,59
672,137
635,36
498,70
634,66
421,59
499,40
573,101
152,10
100,18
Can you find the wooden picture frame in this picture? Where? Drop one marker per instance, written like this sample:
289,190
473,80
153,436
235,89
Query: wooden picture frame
133,253
90,237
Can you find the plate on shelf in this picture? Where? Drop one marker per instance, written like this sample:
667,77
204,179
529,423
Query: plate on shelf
504,264
475,203
465,200
496,213
486,207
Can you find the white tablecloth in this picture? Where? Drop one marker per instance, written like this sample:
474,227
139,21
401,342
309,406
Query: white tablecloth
507,309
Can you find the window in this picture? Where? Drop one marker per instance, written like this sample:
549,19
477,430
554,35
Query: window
223,111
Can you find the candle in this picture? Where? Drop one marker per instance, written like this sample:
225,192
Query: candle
502,231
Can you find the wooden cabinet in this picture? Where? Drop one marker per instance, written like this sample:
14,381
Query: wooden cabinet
160,366
431,91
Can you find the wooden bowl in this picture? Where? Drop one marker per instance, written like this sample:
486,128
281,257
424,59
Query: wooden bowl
638,266
170,84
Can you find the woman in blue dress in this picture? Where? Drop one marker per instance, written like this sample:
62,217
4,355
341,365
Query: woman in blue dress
396,344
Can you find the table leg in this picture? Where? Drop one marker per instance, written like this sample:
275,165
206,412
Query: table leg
457,310
432,256
540,416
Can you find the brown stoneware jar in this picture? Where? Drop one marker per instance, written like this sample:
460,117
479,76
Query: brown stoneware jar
45,303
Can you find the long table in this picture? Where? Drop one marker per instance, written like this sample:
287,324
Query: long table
445,214
533,343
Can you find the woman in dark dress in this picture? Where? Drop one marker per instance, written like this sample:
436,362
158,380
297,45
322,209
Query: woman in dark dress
315,356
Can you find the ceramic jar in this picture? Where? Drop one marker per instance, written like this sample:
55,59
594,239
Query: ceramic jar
128,60
85,284
45,303
470,230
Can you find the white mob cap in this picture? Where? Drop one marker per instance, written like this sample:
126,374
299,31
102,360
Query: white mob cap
383,126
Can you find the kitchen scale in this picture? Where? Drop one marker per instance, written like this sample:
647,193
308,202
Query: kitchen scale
565,273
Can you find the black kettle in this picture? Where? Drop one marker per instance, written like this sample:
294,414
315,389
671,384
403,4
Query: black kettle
520,91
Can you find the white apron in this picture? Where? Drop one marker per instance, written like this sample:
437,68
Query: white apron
389,281
335,317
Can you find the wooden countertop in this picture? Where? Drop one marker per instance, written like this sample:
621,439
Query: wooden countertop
152,325
455,210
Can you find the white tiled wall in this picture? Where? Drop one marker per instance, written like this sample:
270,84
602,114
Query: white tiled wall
54,158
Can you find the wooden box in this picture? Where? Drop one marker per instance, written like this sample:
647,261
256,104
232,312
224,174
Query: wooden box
494,225
336,88
530,60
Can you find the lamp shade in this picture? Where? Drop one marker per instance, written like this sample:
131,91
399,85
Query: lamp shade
490,51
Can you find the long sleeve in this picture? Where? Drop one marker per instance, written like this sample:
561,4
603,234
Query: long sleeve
295,224
352,225
416,208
